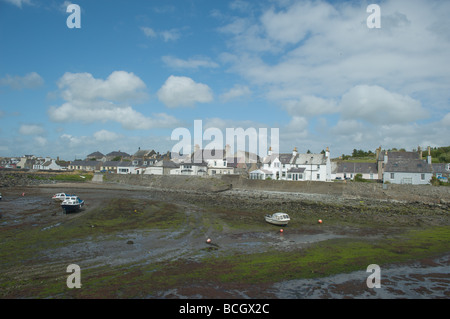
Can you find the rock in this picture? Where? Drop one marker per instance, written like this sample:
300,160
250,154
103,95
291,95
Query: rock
130,242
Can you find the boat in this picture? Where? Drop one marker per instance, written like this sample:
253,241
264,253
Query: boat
72,204
279,218
60,196
0,196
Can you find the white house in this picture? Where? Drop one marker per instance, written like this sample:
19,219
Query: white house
348,170
190,169
162,167
407,168
295,167
126,168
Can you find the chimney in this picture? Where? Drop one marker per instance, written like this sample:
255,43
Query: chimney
429,156
385,157
378,151
419,149
270,151
196,148
294,152
327,152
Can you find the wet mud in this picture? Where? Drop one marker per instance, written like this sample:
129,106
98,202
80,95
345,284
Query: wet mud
232,232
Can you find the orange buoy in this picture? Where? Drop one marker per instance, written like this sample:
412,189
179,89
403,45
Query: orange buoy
208,240
281,230
320,221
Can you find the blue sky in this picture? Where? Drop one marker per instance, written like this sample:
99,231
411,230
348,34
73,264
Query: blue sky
136,70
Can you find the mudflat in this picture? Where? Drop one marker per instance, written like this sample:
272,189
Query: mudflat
134,241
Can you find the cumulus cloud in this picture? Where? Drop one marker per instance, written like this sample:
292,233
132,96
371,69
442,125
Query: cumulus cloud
376,105
183,91
28,81
311,105
88,100
105,136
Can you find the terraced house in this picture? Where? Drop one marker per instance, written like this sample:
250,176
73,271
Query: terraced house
295,166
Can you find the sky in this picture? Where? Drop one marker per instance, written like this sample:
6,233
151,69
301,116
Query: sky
135,71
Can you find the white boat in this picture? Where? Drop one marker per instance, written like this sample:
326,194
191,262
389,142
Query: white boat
72,204
60,196
280,219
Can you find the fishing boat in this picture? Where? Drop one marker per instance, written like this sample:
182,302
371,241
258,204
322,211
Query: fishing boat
60,196
279,218
72,204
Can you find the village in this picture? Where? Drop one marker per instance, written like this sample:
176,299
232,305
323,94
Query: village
387,166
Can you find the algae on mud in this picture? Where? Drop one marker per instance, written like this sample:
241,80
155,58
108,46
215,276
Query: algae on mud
169,250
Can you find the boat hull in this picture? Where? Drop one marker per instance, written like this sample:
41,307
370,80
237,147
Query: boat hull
72,208
279,219
277,222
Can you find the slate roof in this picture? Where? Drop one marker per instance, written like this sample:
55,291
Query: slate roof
296,170
308,159
357,168
408,166
118,153
96,155
441,168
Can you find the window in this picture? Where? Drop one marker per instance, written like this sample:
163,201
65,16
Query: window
300,176
371,176
318,176
422,177
318,166
392,175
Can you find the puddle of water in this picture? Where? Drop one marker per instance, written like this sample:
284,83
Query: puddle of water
414,281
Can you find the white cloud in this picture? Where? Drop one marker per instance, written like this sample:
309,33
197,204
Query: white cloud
90,100
316,48
120,86
105,136
28,81
311,105
235,92
19,3
149,32
192,63
31,129
294,24
166,35
170,35
183,91
376,105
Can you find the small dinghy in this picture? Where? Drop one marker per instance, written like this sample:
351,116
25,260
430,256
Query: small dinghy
280,219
